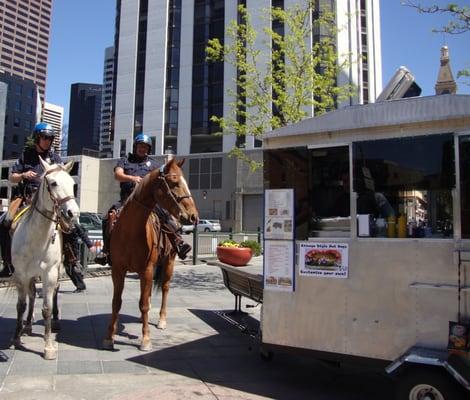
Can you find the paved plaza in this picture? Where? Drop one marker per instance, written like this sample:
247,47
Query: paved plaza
205,353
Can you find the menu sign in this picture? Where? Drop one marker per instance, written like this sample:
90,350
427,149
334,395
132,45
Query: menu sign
324,259
279,214
279,265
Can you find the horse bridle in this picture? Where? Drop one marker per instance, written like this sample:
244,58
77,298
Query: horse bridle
57,202
176,199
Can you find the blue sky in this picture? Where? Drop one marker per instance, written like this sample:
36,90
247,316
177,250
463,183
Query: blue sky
81,30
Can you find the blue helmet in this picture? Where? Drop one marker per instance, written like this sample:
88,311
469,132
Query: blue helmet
43,128
143,138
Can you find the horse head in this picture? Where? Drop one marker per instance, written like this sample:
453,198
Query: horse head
177,198
59,185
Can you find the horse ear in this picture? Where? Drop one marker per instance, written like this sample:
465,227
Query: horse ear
68,167
44,164
181,162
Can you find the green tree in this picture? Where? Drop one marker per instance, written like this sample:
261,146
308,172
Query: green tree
459,22
299,75
29,142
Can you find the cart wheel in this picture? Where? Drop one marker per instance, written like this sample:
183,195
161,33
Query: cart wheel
427,384
265,354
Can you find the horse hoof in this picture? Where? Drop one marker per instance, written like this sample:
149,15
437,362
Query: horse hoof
55,325
108,344
50,354
161,324
146,346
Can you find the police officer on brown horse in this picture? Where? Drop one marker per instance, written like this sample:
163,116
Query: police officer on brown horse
129,171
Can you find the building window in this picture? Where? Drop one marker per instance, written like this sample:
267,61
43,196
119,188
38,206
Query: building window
19,89
5,172
205,173
122,148
16,122
227,209
18,105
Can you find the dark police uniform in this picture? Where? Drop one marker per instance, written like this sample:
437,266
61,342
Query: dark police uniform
29,161
72,262
135,167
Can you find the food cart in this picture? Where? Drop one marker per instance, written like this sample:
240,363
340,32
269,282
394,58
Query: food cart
371,259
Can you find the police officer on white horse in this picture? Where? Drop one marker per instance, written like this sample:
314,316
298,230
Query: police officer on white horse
26,172
129,171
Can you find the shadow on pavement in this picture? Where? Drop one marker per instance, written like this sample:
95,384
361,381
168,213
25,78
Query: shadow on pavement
230,358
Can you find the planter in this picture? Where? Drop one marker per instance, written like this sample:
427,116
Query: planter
236,256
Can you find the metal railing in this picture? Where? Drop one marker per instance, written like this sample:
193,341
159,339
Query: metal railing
204,244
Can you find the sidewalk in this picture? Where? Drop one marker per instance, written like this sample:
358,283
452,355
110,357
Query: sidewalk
205,352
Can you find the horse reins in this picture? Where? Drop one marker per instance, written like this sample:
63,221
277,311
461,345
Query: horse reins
55,201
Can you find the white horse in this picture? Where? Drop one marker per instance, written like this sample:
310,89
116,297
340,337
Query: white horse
37,249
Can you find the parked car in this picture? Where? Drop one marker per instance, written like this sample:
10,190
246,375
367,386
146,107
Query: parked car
90,221
204,225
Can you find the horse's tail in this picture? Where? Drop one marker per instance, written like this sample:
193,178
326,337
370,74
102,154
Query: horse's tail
158,277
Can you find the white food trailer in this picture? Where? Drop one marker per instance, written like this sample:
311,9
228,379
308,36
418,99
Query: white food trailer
376,266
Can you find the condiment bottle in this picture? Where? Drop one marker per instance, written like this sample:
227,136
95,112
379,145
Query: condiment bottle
391,227
402,226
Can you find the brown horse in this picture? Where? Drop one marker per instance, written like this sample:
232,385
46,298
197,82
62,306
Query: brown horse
136,241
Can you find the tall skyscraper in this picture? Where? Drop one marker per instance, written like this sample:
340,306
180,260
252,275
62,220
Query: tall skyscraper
84,119
106,126
166,88
24,39
54,115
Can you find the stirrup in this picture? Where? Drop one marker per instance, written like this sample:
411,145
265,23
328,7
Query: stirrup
101,259
7,271
182,250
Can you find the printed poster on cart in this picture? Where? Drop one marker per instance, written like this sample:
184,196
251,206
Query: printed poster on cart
279,265
279,214
329,260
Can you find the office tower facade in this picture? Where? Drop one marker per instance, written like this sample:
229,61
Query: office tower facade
106,126
84,119
166,88
21,113
54,115
24,39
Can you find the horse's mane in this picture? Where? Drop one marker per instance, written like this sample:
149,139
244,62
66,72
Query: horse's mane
138,188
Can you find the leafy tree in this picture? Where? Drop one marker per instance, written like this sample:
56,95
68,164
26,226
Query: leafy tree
29,142
298,77
460,15
459,21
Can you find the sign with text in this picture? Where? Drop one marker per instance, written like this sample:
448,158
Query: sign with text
328,260
279,265
279,214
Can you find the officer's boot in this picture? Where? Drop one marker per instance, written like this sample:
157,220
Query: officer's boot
5,244
107,224
9,216
172,230
103,258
